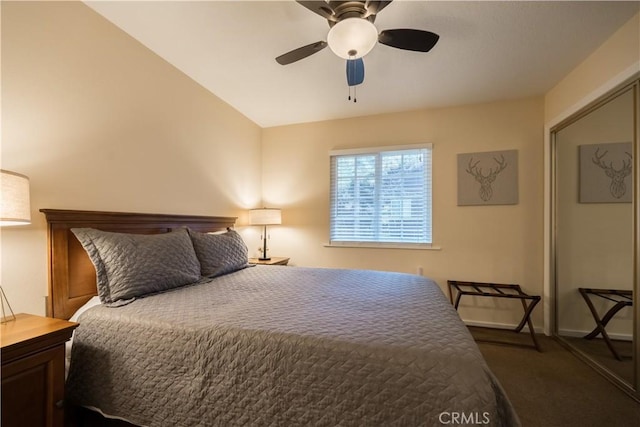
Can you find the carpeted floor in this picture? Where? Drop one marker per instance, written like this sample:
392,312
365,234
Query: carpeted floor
553,388
598,350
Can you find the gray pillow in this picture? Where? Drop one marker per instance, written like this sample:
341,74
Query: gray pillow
219,253
133,265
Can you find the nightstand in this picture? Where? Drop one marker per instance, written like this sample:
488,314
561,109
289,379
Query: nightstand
275,260
33,370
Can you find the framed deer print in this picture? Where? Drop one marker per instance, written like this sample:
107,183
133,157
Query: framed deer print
489,178
605,173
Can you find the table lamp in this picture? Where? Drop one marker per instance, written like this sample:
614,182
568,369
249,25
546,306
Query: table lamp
264,217
15,209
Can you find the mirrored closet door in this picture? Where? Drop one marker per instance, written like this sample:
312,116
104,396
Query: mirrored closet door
595,234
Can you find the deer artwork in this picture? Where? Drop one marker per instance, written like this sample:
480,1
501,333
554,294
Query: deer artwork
617,188
486,191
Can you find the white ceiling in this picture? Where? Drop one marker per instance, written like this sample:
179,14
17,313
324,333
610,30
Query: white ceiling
487,51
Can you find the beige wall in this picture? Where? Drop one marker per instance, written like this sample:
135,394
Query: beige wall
612,62
484,243
99,122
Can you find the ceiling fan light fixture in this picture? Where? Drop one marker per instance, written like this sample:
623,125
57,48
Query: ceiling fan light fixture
352,38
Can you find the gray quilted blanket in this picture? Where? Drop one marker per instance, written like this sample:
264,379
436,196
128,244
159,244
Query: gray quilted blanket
287,346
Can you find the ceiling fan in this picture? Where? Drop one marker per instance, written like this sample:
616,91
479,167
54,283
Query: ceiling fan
353,34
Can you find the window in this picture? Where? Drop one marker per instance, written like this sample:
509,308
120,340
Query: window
381,196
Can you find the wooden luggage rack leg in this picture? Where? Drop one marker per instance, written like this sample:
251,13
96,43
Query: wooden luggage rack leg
621,298
497,290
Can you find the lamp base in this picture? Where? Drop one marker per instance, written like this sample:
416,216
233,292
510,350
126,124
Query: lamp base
4,301
263,250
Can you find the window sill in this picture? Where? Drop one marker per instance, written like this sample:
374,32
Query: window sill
374,245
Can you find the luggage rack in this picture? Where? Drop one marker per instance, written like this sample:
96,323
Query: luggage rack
498,290
621,298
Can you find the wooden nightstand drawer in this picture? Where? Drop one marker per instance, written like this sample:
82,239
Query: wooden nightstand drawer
33,390
33,370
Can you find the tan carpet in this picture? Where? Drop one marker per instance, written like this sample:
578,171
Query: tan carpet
598,349
554,388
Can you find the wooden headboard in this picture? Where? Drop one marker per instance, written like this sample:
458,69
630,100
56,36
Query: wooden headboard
72,276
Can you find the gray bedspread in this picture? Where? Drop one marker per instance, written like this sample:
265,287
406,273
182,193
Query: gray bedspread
287,346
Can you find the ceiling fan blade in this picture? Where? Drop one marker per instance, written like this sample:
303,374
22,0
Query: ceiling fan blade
301,53
321,8
355,71
407,39
373,7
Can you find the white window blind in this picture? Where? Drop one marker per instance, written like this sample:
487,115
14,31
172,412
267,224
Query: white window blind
381,195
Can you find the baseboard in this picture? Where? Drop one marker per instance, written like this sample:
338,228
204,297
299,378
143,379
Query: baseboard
494,325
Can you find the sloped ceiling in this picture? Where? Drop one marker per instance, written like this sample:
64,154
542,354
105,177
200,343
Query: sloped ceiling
487,51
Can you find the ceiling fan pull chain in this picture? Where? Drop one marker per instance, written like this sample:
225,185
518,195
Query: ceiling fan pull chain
348,72
354,94
352,78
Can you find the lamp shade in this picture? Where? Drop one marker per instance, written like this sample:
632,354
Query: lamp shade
265,216
15,208
352,38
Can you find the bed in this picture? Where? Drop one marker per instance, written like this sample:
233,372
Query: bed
264,345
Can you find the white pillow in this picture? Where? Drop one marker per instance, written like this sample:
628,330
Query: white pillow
91,303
